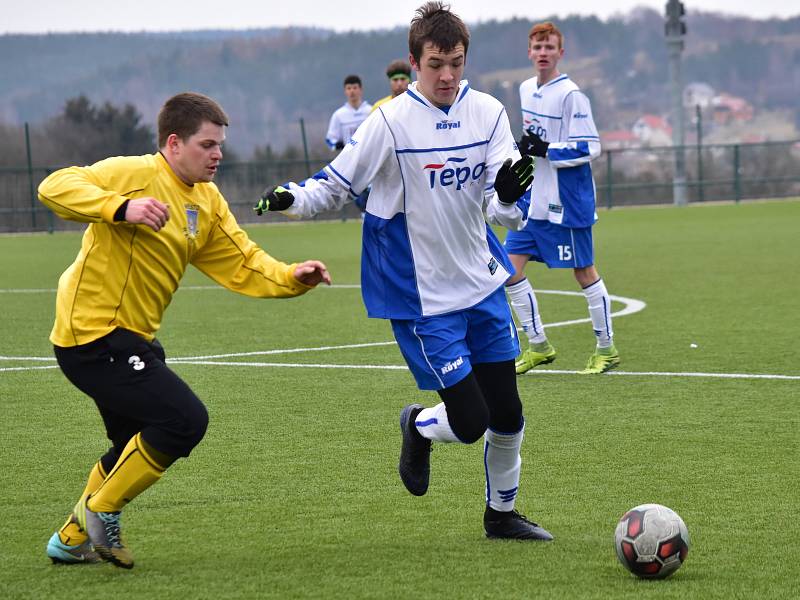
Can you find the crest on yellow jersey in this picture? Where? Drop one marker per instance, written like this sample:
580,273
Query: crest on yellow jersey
192,211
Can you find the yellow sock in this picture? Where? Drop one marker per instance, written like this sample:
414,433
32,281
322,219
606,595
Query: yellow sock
135,471
71,533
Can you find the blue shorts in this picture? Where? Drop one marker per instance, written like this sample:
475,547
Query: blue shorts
440,350
557,246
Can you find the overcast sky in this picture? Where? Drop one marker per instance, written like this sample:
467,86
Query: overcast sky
41,16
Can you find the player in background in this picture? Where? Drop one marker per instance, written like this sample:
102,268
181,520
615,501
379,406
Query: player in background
558,128
399,74
435,156
346,119
149,217
344,122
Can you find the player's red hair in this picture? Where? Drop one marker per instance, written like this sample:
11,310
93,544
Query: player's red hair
542,31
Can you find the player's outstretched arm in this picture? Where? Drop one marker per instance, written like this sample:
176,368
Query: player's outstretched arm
312,273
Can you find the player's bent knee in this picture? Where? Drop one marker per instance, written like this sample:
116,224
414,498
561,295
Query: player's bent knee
467,412
469,427
196,426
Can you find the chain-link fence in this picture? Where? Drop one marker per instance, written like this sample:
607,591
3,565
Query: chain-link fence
624,177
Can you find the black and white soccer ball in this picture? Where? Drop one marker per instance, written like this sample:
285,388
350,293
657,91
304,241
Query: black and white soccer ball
652,541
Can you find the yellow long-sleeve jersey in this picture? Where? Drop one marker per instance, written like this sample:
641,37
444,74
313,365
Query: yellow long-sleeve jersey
125,274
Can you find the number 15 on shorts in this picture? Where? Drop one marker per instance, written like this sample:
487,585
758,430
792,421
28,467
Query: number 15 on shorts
564,252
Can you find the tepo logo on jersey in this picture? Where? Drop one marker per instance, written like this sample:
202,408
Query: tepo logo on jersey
458,175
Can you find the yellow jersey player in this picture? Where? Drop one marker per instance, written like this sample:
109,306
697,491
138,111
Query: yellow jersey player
149,218
399,74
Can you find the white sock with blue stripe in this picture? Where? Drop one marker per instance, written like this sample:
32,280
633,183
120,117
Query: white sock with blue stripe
600,312
523,301
432,423
502,462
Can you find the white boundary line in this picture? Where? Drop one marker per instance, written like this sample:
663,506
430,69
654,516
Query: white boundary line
226,363
632,306
532,372
4,369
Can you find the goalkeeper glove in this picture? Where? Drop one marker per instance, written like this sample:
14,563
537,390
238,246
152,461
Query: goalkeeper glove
512,180
275,197
532,144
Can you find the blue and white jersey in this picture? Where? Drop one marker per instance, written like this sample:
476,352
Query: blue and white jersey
344,122
427,249
563,189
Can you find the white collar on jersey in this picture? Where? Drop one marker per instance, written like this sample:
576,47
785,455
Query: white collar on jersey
413,92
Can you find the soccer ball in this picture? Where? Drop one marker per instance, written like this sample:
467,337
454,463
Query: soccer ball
652,541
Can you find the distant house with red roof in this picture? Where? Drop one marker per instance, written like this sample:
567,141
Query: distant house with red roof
728,109
652,130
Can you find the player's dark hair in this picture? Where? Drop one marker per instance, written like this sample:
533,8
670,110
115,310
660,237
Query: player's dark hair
185,113
398,67
434,22
350,79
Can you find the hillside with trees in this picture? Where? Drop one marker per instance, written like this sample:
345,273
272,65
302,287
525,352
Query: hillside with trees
268,80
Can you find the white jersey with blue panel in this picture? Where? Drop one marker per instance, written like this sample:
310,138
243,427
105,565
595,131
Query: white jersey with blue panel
344,122
427,249
563,190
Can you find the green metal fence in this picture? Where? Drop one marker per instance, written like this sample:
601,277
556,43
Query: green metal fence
629,176
638,176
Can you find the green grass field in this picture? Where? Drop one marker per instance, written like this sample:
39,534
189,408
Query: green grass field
294,491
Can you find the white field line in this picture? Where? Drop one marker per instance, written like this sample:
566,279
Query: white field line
631,306
226,363
532,372
4,369
284,351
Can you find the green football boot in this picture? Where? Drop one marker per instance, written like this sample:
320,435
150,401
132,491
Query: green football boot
536,354
104,533
603,359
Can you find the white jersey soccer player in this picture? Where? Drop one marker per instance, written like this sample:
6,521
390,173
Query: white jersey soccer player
344,122
560,114
437,157
427,249
558,127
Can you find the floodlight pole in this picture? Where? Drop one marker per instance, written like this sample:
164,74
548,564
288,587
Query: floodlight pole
675,29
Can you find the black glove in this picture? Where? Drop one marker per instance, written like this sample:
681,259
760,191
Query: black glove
512,180
339,145
274,198
532,144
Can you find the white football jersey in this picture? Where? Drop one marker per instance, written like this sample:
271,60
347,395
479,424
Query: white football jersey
563,190
344,122
427,249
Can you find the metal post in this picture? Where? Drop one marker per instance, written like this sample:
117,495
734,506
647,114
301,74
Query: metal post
30,175
737,184
675,30
305,146
51,225
700,179
609,180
